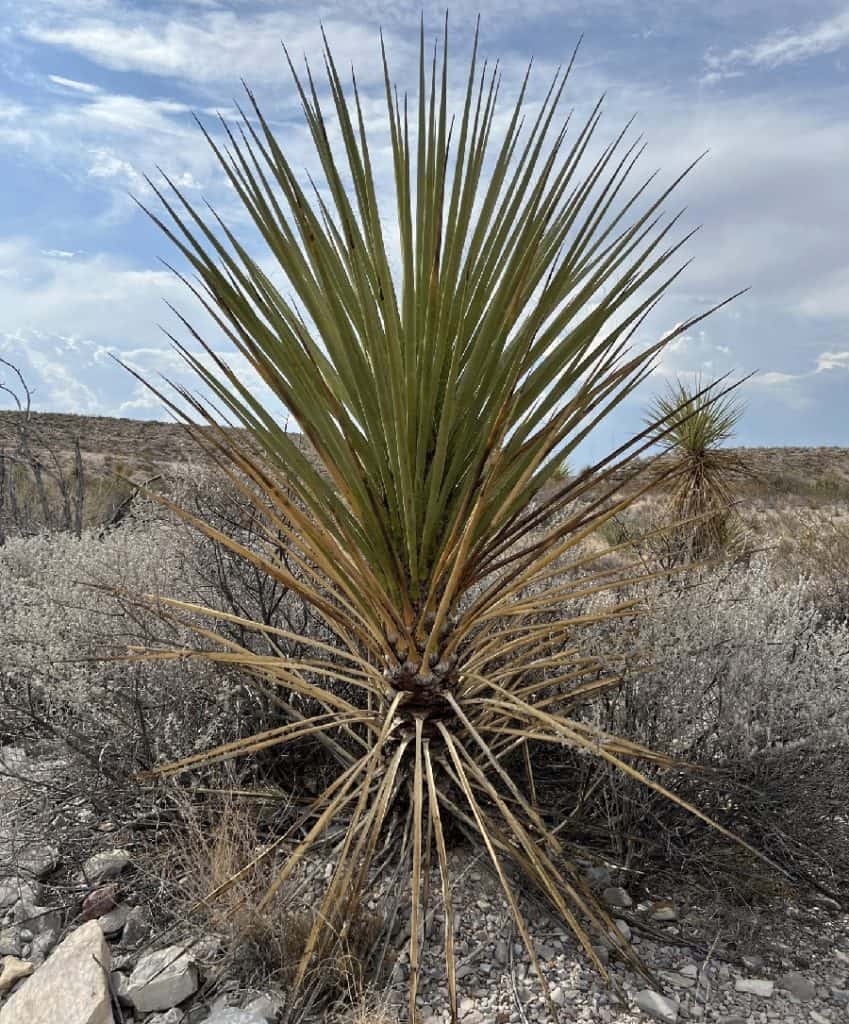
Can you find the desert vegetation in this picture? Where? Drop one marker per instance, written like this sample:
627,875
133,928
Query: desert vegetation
322,668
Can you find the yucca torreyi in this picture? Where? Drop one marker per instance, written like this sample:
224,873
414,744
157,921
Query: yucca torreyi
698,420
439,392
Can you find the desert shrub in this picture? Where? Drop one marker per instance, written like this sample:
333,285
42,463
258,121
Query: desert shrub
57,622
814,545
739,671
737,662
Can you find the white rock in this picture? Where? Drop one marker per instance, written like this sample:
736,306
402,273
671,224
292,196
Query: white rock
623,928
230,1015
70,987
108,864
755,987
12,970
466,1006
162,979
655,1005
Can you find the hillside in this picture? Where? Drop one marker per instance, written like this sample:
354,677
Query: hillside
792,475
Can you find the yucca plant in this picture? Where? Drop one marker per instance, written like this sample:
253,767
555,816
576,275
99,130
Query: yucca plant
697,422
441,360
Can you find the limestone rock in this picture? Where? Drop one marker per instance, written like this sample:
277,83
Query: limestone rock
755,987
230,1015
70,987
10,891
12,971
655,1005
162,979
106,865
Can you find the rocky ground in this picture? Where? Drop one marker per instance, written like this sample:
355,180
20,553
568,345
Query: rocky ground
80,943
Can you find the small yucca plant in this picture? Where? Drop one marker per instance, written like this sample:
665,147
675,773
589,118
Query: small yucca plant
440,392
697,422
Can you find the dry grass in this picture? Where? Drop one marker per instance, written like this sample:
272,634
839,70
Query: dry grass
216,839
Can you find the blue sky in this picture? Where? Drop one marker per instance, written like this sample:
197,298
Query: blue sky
95,93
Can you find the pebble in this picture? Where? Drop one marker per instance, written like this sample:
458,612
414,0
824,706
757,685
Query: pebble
660,1007
798,985
616,896
755,986
663,910
558,996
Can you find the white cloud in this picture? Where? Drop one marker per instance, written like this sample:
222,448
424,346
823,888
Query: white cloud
115,310
832,361
59,384
71,83
101,297
215,46
105,164
786,47
109,141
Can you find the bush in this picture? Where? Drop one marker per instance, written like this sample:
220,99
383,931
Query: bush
55,630
741,672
